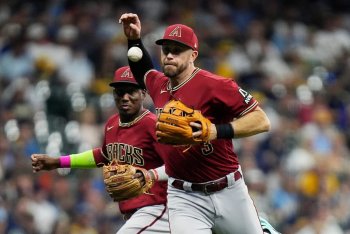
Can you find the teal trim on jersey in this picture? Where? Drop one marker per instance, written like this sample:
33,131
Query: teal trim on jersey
83,160
267,227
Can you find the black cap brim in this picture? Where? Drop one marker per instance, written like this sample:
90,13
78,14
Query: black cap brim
116,84
161,41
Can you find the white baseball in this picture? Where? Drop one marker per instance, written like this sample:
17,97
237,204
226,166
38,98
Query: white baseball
135,54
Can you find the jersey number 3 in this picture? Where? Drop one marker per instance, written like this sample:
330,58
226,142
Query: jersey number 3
207,148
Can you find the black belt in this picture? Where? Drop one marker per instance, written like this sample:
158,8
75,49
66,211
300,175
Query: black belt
207,188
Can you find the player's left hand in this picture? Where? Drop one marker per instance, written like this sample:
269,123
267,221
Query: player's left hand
198,127
140,177
125,181
181,125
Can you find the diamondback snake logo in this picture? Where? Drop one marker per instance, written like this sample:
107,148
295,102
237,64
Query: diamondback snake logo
127,74
176,32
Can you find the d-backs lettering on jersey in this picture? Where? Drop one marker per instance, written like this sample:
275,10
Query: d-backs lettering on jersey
135,144
220,100
125,153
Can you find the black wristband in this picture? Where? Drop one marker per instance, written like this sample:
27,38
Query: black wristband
224,131
132,43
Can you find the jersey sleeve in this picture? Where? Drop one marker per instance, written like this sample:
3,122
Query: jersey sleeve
233,99
100,160
155,81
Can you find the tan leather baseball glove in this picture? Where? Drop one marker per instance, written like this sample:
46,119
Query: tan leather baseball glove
173,125
120,182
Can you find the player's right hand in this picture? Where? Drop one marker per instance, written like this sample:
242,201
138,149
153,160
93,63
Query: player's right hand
44,162
131,25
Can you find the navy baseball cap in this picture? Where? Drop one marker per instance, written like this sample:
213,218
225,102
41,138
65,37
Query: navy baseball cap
181,34
123,75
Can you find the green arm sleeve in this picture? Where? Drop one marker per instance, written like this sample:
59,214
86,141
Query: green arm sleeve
83,160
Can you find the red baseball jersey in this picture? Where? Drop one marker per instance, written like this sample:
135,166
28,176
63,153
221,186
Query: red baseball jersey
220,100
134,143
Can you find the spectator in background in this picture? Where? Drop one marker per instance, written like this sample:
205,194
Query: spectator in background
89,132
16,63
322,221
77,69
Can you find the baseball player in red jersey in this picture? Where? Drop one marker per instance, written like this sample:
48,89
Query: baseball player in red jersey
129,138
206,189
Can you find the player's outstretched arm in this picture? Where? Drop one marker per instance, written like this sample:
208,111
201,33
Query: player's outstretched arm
132,30
44,162
84,160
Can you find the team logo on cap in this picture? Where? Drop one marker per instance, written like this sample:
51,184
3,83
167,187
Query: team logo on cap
176,32
126,74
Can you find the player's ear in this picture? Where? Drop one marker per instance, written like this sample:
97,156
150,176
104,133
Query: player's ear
194,55
143,93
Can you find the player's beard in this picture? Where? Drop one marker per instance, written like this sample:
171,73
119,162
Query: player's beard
172,73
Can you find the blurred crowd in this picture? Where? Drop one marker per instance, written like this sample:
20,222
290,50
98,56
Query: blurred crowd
58,56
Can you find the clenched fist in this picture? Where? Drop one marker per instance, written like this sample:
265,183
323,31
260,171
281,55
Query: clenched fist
44,162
